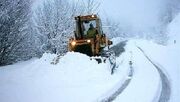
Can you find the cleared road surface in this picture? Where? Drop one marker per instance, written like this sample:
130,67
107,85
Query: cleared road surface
166,86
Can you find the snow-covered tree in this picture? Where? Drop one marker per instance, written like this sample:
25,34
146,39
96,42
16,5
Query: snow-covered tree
54,22
113,28
14,16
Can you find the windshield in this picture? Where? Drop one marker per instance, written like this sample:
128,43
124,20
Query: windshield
84,28
87,26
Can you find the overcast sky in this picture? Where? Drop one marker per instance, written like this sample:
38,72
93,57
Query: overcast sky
140,14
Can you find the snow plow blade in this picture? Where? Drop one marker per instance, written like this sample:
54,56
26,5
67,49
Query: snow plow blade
107,57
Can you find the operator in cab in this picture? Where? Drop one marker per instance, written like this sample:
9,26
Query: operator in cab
92,31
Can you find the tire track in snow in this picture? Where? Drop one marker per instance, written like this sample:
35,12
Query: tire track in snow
118,49
123,86
166,86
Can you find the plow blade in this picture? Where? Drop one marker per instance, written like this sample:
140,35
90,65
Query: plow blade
107,57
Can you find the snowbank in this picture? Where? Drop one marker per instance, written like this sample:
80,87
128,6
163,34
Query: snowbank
75,78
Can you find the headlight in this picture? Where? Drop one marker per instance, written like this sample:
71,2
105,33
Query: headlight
73,43
92,16
88,41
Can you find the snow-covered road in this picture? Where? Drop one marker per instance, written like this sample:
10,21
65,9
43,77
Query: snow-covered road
121,88
119,49
166,86
161,84
145,85
81,80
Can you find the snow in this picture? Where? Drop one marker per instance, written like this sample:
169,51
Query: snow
174,31
145,85
171,58
168,57
77,78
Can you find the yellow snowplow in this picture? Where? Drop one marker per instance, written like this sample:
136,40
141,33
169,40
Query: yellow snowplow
89,39
88,36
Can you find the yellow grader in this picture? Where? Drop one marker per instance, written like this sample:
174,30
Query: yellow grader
89,39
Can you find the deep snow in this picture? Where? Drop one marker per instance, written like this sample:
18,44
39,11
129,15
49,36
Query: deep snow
76,78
